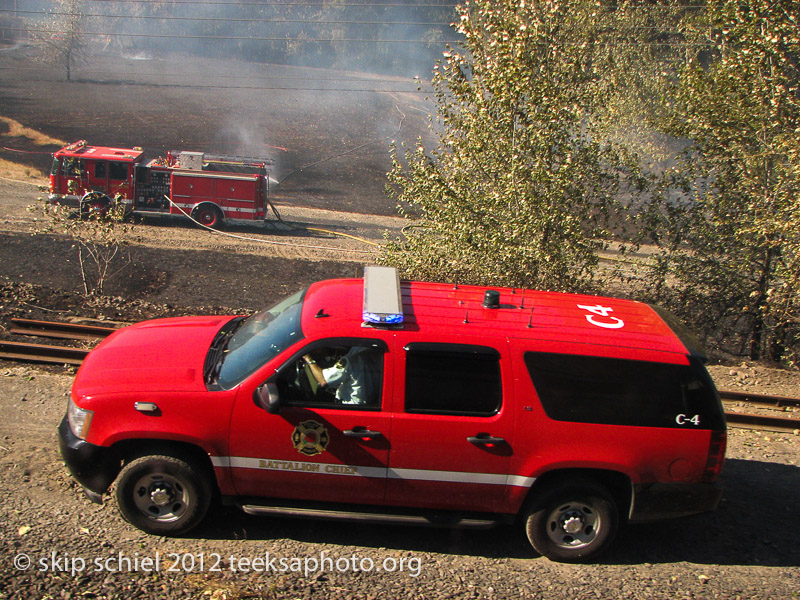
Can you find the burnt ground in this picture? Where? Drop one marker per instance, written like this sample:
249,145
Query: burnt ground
330,142
334,212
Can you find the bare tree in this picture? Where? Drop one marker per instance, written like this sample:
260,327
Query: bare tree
99,238
61,35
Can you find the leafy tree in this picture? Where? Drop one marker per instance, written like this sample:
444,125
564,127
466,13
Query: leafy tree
731,259
522,180
61,35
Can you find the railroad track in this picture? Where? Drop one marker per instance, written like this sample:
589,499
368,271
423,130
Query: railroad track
74,356
46,353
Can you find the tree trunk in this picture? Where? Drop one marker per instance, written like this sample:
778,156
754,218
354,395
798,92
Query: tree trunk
759,325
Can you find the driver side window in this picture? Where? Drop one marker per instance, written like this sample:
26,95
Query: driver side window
335,374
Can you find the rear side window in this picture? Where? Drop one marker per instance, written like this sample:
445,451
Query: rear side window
611,391
452,379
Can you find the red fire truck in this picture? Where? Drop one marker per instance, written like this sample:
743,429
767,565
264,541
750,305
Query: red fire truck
212,189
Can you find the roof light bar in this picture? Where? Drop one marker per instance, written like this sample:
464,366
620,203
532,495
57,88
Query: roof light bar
382,302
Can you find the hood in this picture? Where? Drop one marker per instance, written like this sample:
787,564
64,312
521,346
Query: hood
151,356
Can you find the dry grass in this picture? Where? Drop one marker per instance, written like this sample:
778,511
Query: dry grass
17,129
17,171
21,172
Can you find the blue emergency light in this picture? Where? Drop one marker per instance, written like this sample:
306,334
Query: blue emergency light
383,304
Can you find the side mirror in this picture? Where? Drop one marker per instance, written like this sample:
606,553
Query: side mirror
266,396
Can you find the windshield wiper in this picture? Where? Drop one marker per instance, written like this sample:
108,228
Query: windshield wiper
216,353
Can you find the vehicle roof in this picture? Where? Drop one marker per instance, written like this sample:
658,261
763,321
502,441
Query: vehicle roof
448,310
81,150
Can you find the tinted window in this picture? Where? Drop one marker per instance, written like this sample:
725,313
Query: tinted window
452,379
118,171
100,169
590,389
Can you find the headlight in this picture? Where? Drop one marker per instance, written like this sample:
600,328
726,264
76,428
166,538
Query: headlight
79,420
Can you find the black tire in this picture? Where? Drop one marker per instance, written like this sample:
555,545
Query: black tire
573,521
94,205
163,495
208,215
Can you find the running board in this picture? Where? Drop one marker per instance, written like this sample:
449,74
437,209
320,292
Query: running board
443,520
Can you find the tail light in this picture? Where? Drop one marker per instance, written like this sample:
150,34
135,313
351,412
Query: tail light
716,455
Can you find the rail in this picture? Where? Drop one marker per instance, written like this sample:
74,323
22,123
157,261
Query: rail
60,355
59,330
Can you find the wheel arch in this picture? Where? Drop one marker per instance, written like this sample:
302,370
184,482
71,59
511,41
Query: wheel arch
618,484
94,196
208,205
130,449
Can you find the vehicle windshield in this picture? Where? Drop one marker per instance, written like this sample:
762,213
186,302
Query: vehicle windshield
259,339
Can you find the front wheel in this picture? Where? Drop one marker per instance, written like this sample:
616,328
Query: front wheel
163,495
94,205
572,522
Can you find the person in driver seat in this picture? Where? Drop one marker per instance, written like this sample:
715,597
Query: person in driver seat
356,375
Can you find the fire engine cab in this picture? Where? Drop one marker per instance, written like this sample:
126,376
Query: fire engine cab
212,189
405,402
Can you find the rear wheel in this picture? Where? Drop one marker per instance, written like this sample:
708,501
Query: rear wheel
163,495
208,215
574,521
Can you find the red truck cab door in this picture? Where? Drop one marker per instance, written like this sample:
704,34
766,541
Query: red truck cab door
67,176
318,446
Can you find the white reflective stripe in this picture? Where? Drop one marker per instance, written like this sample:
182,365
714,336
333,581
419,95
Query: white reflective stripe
300,466
221,461
520,481
452,476
225,209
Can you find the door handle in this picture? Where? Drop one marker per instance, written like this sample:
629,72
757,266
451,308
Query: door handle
362,432
485,440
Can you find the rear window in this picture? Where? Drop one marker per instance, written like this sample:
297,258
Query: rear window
611,391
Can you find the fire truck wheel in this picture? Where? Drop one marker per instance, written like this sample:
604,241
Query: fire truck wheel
573,521
94,204
163,495
208,215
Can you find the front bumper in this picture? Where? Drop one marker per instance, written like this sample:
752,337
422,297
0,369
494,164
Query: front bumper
94,467
652,502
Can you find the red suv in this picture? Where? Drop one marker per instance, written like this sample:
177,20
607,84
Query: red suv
405,402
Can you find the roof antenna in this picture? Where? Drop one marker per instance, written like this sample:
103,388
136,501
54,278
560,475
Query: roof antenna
466,317
530,320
